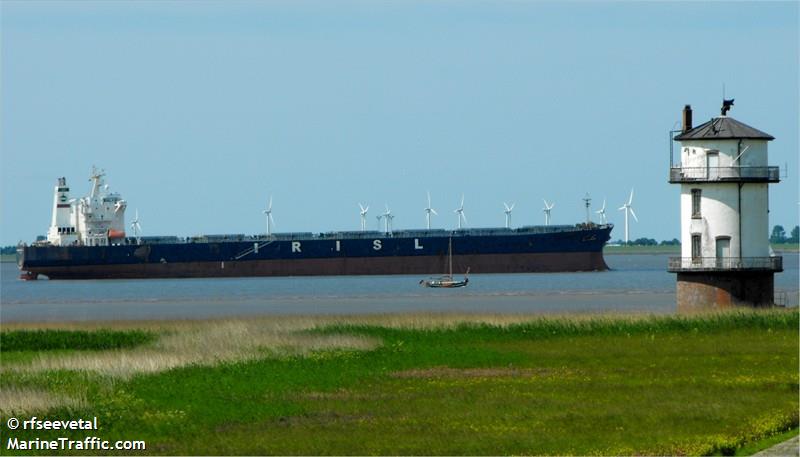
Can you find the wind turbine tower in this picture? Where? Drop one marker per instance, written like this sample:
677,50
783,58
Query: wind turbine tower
387,219
508,212
602,212
628,208
460,213
547,208
136,228
364,216
270,221
428,211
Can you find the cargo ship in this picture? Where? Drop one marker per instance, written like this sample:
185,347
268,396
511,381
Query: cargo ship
87,240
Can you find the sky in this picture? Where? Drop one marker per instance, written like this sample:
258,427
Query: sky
199,111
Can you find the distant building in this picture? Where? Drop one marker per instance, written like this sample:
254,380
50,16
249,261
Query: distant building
724,176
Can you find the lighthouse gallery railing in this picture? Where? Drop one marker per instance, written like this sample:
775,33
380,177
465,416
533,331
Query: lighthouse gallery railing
725,263
692,174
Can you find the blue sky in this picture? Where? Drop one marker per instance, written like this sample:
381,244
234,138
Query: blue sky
198,111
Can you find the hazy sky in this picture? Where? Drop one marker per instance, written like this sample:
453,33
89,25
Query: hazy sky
198,111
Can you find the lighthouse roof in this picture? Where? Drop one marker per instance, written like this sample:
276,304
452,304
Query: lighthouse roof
724,128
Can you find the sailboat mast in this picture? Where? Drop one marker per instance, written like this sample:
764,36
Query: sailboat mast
450,255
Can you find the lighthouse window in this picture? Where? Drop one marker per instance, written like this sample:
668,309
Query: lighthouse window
696,193
696,247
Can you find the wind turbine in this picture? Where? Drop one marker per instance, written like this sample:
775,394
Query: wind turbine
508,212
136,227
628,208
460,212
546,209
364,217
428,212
387,216
379,217
602,212
270,221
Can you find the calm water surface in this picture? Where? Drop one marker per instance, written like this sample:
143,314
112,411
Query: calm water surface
636,283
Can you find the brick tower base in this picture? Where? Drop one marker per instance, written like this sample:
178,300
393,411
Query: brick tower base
699,292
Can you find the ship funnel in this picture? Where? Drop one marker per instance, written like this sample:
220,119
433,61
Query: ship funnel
687,118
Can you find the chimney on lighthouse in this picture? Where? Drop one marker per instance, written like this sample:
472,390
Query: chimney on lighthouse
687,118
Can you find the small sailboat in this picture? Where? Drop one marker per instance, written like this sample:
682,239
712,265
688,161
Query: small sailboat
446,280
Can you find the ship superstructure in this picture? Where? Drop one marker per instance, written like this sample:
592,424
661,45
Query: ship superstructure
97,219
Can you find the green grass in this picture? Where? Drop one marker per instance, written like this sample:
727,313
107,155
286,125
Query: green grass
8,258
766,443
785,247
581,386
642,250
49,340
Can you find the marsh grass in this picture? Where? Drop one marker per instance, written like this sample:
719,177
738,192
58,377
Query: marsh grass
26,400
437,384
51,339
173,345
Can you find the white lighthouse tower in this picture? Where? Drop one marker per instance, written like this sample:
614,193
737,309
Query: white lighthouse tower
724,177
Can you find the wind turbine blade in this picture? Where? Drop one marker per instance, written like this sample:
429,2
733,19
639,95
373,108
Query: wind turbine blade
462,201
361,207
434,212
622,208
634,215
512,207
506,205
429,199
271,219
270,202
464,216
630,200
545,203
604,204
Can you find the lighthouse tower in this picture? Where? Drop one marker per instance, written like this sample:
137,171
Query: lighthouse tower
724,177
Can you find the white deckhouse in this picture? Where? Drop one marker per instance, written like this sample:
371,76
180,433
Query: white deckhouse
95,220
724,177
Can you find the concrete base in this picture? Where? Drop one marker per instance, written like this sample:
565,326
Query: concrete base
710,291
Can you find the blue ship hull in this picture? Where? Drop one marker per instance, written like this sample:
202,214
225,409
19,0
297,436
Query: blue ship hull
528,249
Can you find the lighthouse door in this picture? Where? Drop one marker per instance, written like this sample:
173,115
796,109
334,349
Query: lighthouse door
723,250
712,161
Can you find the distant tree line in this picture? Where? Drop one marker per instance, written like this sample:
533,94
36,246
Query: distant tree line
779,235
8,250
649,242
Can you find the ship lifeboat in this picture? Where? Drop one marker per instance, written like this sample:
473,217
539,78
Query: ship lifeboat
115,234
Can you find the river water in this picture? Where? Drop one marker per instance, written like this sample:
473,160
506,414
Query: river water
636,283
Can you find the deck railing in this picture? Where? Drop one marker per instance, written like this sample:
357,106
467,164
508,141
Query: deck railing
679,174
678,264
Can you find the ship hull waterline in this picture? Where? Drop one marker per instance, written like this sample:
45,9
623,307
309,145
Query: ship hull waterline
477,263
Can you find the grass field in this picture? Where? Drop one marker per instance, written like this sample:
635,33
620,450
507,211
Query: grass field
414,384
